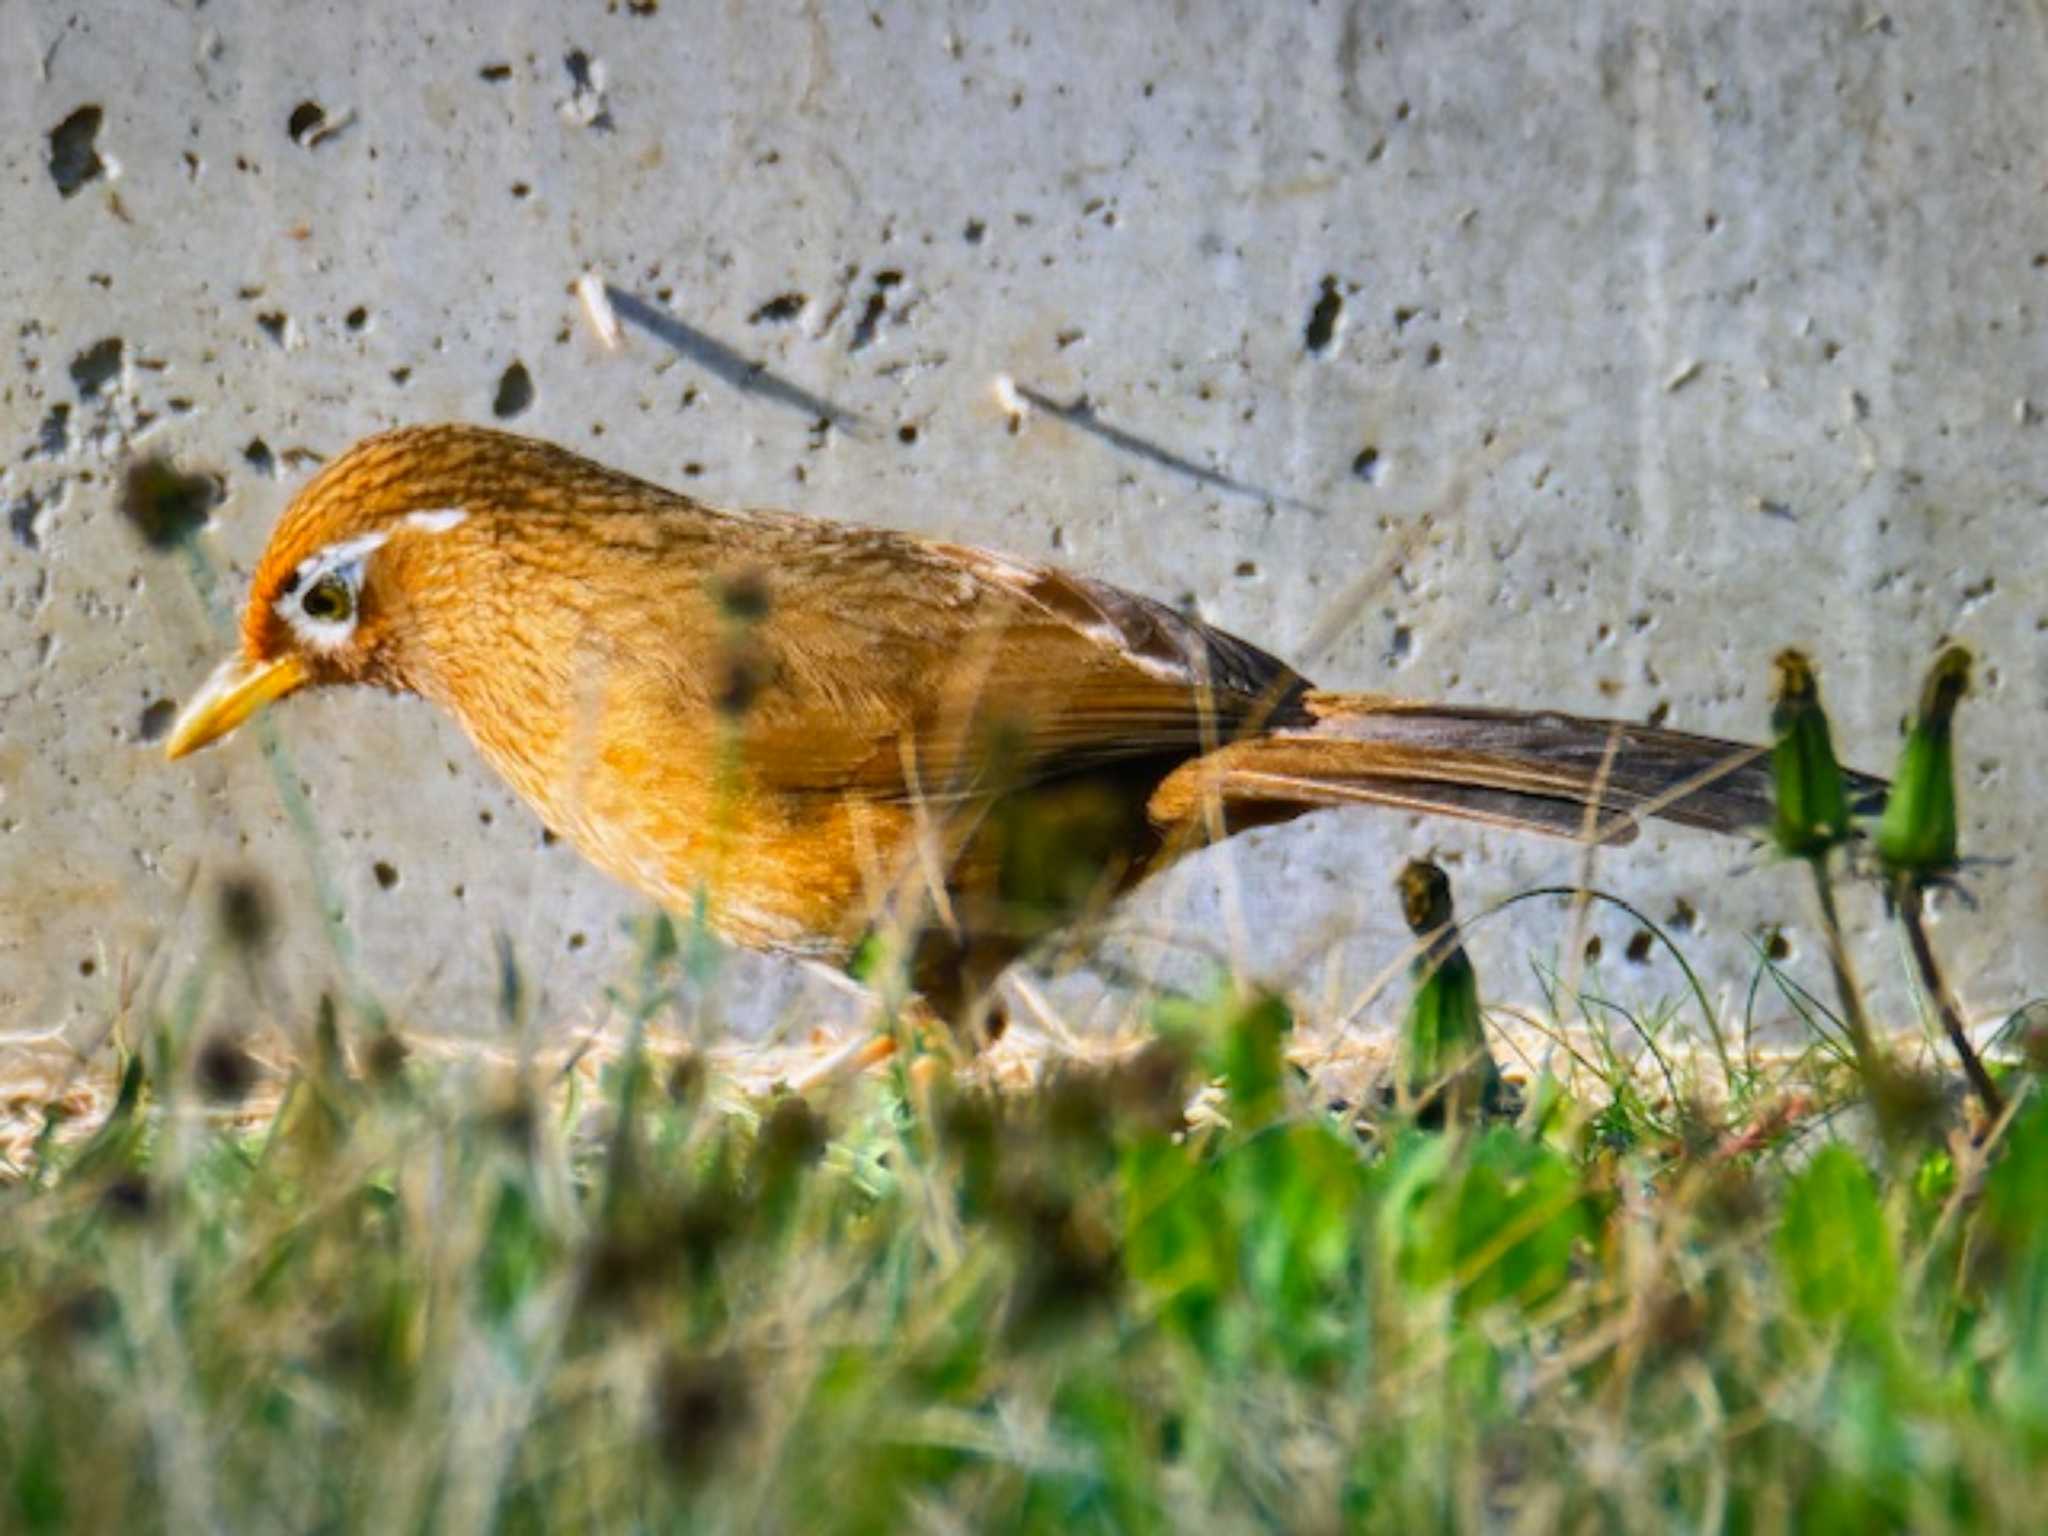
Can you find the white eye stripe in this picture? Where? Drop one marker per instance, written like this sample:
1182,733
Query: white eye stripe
347,552
437,519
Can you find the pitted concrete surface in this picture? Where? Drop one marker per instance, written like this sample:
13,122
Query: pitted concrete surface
1562,355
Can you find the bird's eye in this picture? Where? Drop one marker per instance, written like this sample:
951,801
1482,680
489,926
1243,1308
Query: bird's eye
328,600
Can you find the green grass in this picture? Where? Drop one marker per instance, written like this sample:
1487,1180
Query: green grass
419,1298
1179,1287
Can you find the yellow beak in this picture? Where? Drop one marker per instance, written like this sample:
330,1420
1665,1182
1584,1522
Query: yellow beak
237,689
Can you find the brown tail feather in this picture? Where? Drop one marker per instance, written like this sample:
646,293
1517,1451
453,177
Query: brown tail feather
1537,771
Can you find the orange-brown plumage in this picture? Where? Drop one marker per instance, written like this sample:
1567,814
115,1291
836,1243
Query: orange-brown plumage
806,723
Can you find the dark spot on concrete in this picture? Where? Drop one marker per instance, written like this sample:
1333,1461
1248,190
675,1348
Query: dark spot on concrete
386,873
907,433
1684,917
167,505
495,74
156,720
1323,320
1777,946
520,189
257,456
1401,644
96,367
874,310
1593,950
74,153
25,515
276,324
87,966
577,941
974,232
1638,950
780,310
870,322
53,437
305,123
243,908
223,1070
515,392
1368,466
1246,569
357,318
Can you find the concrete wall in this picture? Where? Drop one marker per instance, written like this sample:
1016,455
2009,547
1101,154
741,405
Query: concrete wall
1554,353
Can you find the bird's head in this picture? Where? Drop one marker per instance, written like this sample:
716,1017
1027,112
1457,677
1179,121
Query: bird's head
390,528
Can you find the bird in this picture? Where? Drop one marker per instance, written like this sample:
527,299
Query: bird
811,733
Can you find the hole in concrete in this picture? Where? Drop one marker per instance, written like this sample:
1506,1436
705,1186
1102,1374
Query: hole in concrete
520,189
1777,946
276,325
242,907
25,515
1639,947
495,74
386,873
1247,569
1321,329
1593,950
515,392
165,504
906,434
1401,644
257,456
96,367
156,719
74,154
1684,916
223,1070
53,437
87,966
870,322
306,121
780,310
974,231
577,940
357,318
1368,466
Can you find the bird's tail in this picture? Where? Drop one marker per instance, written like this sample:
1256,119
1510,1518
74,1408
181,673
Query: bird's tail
1542,772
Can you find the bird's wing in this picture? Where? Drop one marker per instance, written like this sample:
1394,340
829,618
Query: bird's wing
951,667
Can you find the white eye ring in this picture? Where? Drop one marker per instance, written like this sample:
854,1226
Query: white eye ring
342,563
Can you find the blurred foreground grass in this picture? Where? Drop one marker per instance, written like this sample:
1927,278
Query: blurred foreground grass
1182,1285
1171,1290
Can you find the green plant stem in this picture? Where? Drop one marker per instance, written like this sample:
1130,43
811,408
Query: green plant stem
1862,1039
1907,896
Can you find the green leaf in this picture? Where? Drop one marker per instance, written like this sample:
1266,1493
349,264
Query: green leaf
1833,1245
